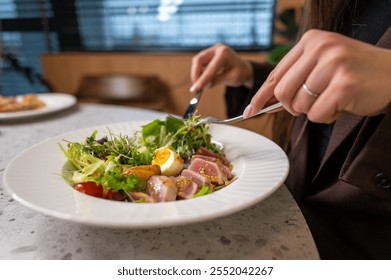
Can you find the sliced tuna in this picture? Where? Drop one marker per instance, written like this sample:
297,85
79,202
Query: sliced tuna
162,188
186,187
205,152
215,171
137,196
196,177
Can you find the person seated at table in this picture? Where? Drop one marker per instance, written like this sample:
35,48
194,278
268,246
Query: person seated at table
336,82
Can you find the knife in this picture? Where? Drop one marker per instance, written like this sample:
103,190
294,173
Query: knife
192,105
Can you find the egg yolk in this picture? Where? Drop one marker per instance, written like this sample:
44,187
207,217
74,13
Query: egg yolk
161,156
171,164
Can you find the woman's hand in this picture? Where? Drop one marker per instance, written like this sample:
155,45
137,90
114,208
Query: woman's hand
341,74
220,64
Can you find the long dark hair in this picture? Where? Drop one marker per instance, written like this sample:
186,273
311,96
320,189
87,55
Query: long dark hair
330,15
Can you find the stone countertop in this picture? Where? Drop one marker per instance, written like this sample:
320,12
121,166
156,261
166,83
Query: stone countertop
271,229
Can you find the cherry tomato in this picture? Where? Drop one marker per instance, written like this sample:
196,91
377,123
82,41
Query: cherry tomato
90,188
115,195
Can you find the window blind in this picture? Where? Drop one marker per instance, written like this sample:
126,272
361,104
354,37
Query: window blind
29,28
181,25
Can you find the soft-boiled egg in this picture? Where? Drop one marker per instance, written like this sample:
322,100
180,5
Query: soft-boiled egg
170,162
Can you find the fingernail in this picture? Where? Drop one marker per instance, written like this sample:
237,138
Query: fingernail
193,88
247,111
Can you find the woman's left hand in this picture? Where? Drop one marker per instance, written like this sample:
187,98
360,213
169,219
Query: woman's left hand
326,74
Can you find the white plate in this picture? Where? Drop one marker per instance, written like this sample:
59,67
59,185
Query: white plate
34,179
54,102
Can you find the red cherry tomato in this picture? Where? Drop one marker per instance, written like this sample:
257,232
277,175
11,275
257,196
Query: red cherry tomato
115,195
90,188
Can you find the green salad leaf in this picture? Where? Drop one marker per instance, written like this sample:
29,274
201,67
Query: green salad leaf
115,181
180,134
203,191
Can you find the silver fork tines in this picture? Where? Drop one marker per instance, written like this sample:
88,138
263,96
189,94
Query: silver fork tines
207,120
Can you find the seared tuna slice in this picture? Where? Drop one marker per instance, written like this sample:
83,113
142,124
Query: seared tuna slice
162,188
216,172
186,187
213,159
226,168
205,152
196,177
137,196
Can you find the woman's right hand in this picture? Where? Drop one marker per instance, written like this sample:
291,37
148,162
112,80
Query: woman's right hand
219,64
340,74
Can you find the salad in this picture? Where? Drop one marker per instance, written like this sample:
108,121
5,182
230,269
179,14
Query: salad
166,160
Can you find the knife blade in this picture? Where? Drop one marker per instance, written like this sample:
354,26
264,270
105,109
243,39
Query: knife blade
192,105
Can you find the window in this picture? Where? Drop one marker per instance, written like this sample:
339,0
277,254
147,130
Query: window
22,41
29,28
175,25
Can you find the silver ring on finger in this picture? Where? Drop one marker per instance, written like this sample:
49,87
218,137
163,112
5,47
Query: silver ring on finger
310,92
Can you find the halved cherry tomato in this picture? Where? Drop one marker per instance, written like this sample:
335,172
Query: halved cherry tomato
90,188
93,189
115,195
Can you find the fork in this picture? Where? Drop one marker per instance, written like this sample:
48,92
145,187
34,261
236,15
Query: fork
192,105
208,120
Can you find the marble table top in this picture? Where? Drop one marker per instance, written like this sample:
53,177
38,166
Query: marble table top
272,229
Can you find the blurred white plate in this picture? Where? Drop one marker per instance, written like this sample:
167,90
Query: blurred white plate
54,102
34,179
